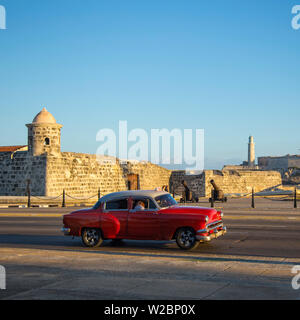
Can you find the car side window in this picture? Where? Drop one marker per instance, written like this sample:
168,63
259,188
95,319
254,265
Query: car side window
152,205
149,204
117,204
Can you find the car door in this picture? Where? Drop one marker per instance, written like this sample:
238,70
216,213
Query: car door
143,224
119,209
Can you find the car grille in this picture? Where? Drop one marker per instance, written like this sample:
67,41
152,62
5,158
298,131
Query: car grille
214,225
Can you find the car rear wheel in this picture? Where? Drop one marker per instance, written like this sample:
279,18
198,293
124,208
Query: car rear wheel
92,238
186,239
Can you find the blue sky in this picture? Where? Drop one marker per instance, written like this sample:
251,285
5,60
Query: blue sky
228,67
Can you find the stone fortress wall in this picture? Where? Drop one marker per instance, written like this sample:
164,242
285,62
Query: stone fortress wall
51,171
234,181
17,168
81,175
230,181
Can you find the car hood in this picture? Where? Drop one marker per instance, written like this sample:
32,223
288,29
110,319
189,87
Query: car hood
192,211
80,211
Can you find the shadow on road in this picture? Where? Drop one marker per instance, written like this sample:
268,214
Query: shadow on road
163,249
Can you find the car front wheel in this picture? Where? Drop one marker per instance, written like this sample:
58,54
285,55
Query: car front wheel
186,239
92,238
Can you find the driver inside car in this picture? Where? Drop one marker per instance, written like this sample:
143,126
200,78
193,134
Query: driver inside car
140,206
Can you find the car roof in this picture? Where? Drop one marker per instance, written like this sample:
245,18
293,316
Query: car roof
133,193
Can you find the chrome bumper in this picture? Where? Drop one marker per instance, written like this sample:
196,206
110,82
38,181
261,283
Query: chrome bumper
66,231
216,234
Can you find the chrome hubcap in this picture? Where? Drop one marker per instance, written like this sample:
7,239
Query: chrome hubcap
92,236
187,238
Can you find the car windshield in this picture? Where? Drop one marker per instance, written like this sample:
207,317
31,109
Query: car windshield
165,201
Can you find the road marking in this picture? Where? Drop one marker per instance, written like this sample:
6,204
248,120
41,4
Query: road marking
256,226
256,217
239,232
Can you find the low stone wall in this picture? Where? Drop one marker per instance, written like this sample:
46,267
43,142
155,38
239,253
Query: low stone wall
230,181
234,181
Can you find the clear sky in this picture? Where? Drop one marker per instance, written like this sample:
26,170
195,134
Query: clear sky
229,67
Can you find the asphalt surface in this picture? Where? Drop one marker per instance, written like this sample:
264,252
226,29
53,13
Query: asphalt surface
254,260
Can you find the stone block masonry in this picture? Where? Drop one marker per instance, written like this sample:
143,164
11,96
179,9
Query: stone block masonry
16,169
150,175
81,175
230,181
234,181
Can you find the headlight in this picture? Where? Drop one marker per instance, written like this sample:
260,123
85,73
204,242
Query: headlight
206,218
222,214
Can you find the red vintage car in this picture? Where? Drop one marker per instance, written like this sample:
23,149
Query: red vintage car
144,215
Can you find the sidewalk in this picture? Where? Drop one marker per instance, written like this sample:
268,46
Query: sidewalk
44,202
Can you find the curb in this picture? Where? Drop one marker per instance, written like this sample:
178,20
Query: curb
42,206
13,206
24,206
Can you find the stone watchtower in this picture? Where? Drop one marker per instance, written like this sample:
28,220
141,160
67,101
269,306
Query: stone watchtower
44,135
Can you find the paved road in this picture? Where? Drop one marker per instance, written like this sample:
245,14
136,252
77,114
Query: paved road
253,261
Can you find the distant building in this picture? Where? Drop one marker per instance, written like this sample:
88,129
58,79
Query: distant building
279,163
288,166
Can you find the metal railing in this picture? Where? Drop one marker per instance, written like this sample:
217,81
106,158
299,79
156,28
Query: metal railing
63,197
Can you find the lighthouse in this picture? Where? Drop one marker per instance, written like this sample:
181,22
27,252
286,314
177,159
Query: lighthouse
251,153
